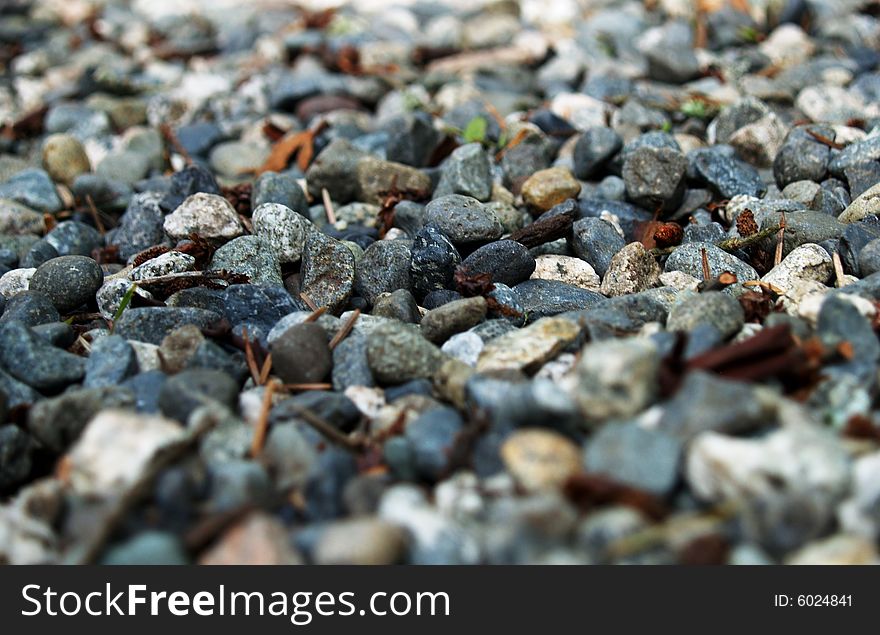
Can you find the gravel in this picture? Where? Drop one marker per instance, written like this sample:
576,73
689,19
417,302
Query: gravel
453,258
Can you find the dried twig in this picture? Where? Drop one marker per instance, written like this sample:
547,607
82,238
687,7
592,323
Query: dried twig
316,313
305,298
249,356
780,239
262,425
327,429
95,215
704,257
838,269
342,333
328,206
172,139
266,369
305,387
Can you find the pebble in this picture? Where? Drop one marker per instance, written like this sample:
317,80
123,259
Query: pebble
694,409
548,188
207,215
32,188
38,364
434,259
398,305
250,256
188,390
431,438
593,150
16,218
72,238
527,349
790,481
152,324
655,177
506,261
375,178
866,204
16,281
688,259
361,541
467,172
712,307
632,269
441,323
68,281
802,157
463,219
616,379
165,264
327,272
635,456
807,262
596,241
398,352
384,267
111,361
727,176
283,229
64,158
542,298
540,459
567,269
281,189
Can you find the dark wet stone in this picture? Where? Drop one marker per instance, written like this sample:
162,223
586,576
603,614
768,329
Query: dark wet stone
301,355
398,305
596,241
30,359
507,261
593,149
696,408
431,437
853,239
29,308
384,267
111,361
439,297
802,157
72,238
68,281
866,150
272,187
727,176
635,456
655,177
840,321
350,367
411,138
16,449
58,421
463,219
40,252
152,324
187,390
191,180
140,227
434,259
541,298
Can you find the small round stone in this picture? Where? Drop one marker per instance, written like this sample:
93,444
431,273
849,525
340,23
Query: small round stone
540,459
68,281
549,187
64,158
301,355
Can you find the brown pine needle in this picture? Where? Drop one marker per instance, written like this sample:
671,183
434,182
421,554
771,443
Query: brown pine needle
304,387
342,333
707,273
249,357
309,303
328,206
327,429
266,369
95,215
172,139
262,425
780,238
838,269
316,314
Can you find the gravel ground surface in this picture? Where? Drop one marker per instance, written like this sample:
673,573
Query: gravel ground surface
440,282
